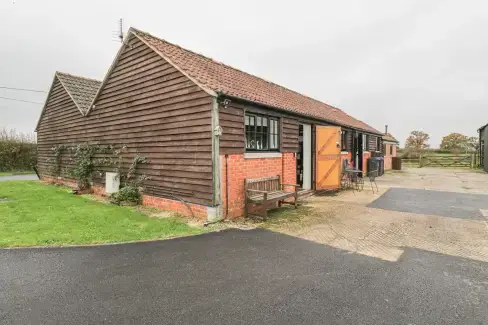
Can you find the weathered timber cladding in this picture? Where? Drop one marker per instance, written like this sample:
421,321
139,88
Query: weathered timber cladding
372,143
51,131
233,137
349,138
231,119
290,135
154,110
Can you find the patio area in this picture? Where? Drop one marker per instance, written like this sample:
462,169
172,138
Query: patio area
453,220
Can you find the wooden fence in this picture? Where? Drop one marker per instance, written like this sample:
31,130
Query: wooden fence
446,161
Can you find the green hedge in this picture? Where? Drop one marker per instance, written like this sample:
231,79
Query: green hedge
18,151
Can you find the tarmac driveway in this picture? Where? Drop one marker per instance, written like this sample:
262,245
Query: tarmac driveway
238,277
28,177
440,203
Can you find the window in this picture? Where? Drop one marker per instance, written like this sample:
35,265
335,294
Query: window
391,150
378,143
344,140
262,133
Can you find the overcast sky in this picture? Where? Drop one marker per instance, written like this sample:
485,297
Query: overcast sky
409,64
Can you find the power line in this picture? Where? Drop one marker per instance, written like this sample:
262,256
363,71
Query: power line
23,89
20,100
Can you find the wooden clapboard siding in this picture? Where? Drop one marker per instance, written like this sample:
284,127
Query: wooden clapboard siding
372,143
151,108
50,132
231,119
349,140
290,134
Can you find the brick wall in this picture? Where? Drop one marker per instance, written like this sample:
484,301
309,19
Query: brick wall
348,156
241,168
388,157
388,162
199,211
188,209
366,156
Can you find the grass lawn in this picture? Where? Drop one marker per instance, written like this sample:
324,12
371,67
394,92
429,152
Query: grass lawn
22,172
38,214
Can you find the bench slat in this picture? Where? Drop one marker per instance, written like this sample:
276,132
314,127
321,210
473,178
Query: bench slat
257,188
272,196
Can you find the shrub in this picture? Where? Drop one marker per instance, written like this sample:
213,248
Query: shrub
129,194
18,151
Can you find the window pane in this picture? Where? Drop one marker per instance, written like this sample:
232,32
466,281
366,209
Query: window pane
261,133
265,141
251,141
259,127
265,131
257,141
275,141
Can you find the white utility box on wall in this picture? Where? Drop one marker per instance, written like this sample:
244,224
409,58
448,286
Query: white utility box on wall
112,182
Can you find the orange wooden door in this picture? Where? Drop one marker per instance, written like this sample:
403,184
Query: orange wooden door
328,155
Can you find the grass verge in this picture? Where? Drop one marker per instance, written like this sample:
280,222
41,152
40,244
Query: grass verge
37,214
22,172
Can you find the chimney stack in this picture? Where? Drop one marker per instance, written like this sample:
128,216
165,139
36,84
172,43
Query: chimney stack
386,129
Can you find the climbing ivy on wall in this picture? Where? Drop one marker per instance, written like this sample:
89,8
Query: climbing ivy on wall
55,161
131,190
87,159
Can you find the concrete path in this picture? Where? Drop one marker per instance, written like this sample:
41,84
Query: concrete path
29,177
238,277
438,179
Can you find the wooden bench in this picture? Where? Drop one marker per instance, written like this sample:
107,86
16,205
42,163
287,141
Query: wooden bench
265,192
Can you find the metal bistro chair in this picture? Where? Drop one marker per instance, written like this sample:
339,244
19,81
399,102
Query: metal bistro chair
350,177
358,180
372,179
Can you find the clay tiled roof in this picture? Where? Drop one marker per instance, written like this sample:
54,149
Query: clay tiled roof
389,137
82,90
222,79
